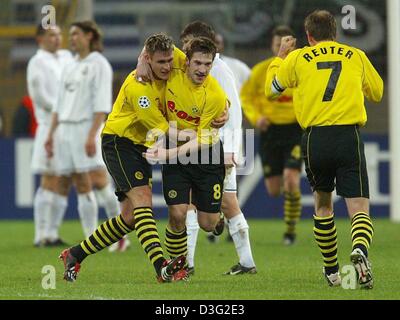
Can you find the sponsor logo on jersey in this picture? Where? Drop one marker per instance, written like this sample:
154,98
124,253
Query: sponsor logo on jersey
182,114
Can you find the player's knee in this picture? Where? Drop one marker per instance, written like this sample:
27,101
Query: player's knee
140,196
177,223
63,185
99,178
209,223
177,217
83,187
273,189
230,210
127,213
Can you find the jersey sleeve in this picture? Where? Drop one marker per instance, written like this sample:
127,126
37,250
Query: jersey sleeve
372,81
102,87
281,75
231,130
36,79
147,112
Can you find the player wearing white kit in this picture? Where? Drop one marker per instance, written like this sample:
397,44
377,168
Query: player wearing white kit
231,137
43,76
240,70
84,99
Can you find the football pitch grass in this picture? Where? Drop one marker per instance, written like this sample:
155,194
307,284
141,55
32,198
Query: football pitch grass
283,272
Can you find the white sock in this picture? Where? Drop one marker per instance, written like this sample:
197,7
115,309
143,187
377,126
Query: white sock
42,207
192,229
88,212
57,215
239,230
108,200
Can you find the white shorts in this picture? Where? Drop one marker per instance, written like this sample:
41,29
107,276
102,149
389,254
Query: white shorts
40,163
230,184
71,155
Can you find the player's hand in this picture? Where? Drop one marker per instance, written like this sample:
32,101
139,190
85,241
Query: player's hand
90,147
288,44
220,122
156,154
143,70
229,160
48,145
262,124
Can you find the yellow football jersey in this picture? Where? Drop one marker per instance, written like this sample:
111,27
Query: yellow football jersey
137,113
255,105
330,81
195,106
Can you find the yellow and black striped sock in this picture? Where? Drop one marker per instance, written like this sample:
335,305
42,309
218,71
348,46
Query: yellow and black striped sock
362,231
292,210
175,242
326,236
105,235
147,233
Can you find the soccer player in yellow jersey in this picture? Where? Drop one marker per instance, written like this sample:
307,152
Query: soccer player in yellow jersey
136,119
330,80
193,100
280,137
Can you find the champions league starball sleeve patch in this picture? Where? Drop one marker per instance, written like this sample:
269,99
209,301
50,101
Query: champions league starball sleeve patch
144,102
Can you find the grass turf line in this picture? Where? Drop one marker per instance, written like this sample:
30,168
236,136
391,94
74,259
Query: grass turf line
283,272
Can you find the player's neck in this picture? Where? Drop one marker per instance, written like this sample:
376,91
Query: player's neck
315,43
83,54
47,50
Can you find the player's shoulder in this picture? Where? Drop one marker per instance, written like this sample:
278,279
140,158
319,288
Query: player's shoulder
220,64
214,89
99,59
37,58
66,54
133,87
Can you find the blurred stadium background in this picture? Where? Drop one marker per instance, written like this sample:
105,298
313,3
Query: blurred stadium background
246,26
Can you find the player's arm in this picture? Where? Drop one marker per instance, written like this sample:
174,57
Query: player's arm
280,73
36,81
101,95
232,129
205,136
145,74
372,81
48,144
147,112
97,123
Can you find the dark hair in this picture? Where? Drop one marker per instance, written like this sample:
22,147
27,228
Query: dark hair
88,26
282,31
198,29
158,42
321,25
200,44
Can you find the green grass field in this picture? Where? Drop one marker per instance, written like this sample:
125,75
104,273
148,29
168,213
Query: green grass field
283,272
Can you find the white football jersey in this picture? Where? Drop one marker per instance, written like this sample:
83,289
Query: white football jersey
240,70
230,133
43,79
86,88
